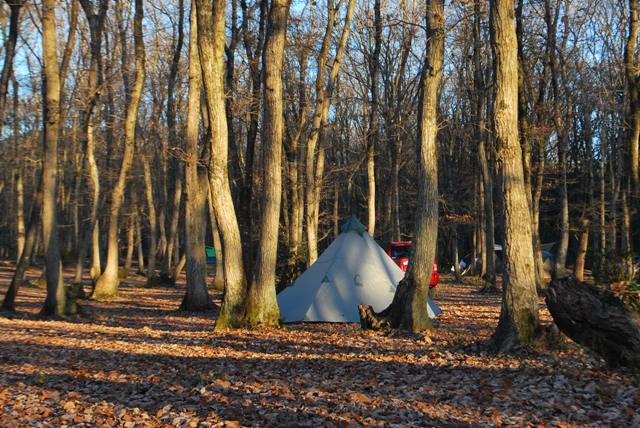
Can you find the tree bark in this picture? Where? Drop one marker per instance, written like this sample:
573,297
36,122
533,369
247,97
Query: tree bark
408,310
372,134
578,269
91,235
107,284
168,271
315,163
595,318
9,53
196,297
262,307
211,30
153,223
632,72
519,312
488,223
55,302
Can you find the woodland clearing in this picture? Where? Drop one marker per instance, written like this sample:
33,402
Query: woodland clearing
137,361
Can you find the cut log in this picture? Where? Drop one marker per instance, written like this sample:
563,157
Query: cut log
596,318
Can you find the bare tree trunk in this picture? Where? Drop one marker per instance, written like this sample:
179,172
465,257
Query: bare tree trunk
55,302
9,53
562,131
578,269
91,235
107,284
130,239
632,72
408,310
626,248
254,53
519,313
153,223
488,260
211,30
372,134
19,177
167,265
218,280
196,297
140,250
602,213
29,246
526,143
315,163
262,307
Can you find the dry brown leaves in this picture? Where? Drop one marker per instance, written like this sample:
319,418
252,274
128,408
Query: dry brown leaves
137,362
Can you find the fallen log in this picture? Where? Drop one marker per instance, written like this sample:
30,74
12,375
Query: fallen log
596,318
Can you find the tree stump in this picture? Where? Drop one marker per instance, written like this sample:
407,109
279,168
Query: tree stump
597,319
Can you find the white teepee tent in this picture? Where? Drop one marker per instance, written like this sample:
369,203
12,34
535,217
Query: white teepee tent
354,270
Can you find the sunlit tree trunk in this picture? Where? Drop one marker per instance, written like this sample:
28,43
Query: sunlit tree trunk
262,308
107,284
19,176
519,313
211,30
372,134
632,72
55,302
578,269
408,310
96,21
196,189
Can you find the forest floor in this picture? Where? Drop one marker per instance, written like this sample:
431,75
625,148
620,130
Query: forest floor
138,362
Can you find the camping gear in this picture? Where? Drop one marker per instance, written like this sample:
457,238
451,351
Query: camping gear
353,270
400,252
211,255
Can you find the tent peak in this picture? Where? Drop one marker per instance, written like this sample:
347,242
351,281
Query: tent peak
353,224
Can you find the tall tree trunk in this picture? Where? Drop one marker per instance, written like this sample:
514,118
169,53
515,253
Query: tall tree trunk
526,143
519,313
196,297
578,269
153,223
167,265
9,53
107,284
211,30
488,223
96,21
372,134
29,249
632,72
262,307
130,238
602,212
55,302
562,131
315,163
408,310
140,250
19,177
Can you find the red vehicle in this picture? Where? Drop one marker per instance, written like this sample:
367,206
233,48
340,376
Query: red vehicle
400,251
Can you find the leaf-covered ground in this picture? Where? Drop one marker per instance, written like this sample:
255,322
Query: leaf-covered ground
138,362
